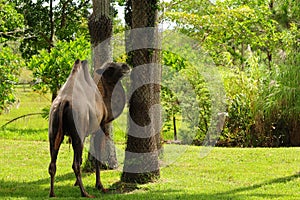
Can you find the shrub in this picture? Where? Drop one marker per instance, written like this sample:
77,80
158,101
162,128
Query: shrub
50,70
9,66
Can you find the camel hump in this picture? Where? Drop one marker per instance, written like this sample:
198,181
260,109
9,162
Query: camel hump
76,66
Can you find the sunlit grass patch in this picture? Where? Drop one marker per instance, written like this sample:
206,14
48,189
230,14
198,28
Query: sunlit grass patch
225,173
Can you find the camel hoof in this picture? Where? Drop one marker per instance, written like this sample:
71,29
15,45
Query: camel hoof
100,187
88,196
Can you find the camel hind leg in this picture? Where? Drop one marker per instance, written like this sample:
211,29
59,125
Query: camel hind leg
54,148
78,148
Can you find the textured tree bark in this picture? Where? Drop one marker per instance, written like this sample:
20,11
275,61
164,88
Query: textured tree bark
175,129
143,143
101,28
51,19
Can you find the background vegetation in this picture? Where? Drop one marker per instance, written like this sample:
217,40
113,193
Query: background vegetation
254,45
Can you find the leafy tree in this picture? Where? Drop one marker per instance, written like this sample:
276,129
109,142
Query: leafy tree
286,12
179,101
227,31
11,26
50,21
257,43
9,66
50,70
169,99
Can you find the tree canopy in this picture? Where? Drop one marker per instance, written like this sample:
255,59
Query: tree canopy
50,21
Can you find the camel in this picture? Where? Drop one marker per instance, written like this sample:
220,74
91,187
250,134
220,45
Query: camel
79,110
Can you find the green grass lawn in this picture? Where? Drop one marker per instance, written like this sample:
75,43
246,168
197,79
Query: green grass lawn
27,128
226,173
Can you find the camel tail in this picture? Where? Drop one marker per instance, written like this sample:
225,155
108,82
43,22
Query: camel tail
60,133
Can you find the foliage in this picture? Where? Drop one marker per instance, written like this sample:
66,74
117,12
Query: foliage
256,46
9,65
50,70
45,25
11,22
227,32
199,101
278,105
286,12
241,93
188,91
173,63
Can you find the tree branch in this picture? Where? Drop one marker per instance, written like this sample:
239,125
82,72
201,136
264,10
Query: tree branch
15,119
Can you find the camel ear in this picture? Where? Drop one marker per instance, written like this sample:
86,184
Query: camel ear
77,62
125,68
108,71
84,62
100,71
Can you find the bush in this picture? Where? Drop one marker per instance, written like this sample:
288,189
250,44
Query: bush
263,106
241,92
50,70
278,108
186,97
9,67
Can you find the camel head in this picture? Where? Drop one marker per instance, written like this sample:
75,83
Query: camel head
111,88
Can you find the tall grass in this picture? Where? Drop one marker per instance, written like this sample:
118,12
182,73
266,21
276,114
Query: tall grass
263,106
278,107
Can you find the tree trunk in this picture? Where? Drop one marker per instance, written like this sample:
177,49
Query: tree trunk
51,19
141,163
175,129
100,27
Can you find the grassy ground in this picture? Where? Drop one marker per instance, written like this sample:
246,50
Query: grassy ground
27,128
225,173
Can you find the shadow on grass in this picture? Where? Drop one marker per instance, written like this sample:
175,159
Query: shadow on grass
40,190
122,188
40,134
257,186
25,131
